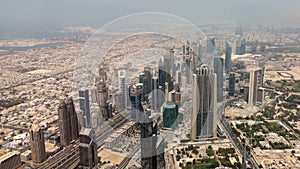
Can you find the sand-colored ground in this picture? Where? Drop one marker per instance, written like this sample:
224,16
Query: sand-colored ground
235,111
274,76
276,159
113,157
40,71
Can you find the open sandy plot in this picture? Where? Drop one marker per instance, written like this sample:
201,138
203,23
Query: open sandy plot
113,157
40,71
295,72
274,76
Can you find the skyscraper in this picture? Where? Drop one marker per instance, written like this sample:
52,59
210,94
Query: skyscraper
200,51
255,82
156,104
228,52
169,66
136,96
231,86
188,69
204,100
87,149
103,97
172,59
73,118
211,44
240,47
148,141
152,145
161,74
37,144
68,122
145,78
170,114
122,88
84,105
218,69
64,124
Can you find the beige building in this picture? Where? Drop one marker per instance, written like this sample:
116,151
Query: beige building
37,144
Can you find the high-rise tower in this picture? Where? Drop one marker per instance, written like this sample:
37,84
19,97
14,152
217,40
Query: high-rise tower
103,97
255,82
122,88
211,44
68,122
228,52
136,96
231,86
73,118
169,66
148,141
219,71
200,51
64,124
188,69
240,47
152,144
156,101
145,78
84,105
87,149
37,144
204,100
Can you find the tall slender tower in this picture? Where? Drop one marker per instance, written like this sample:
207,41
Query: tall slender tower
211,44
122,88
228,52
172,60
204,101
68,122
84,105
218,69
231,86
103,97
146,78
155,93
168,66
161,74
255,82
136,96
188,69
152,145
200,51
64,124
194,109
37,144
73,118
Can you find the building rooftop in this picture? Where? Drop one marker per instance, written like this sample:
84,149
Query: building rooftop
85,131
7,155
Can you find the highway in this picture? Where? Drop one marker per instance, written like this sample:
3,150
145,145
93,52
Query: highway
237,143
127,159
66,158
106,130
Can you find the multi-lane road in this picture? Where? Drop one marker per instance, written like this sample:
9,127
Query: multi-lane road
66,158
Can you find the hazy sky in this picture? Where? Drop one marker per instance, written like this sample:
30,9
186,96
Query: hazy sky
23,16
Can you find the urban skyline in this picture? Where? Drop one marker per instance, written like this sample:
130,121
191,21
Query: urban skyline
151,90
